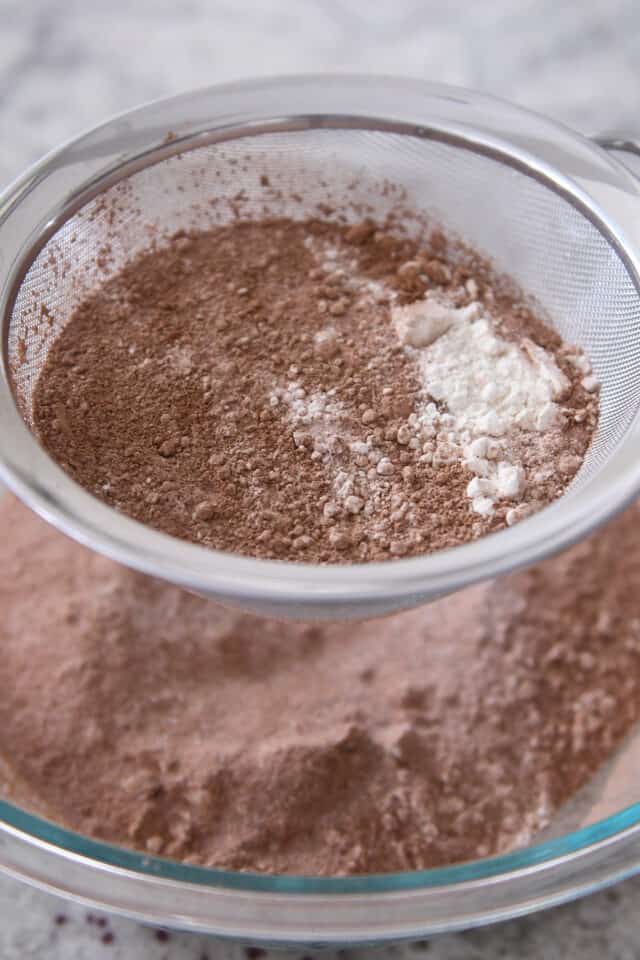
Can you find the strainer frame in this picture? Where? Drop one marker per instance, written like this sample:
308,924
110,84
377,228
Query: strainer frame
34,207
296,910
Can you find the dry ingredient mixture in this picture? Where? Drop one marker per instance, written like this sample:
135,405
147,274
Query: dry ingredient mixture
315,391
142,715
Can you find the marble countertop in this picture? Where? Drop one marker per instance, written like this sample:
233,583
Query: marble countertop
65,65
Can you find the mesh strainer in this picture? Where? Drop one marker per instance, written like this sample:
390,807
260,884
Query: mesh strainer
552,209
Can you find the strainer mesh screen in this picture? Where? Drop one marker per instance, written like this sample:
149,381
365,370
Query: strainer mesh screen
536,236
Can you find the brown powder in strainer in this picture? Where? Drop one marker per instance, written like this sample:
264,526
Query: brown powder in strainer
265,388
137,713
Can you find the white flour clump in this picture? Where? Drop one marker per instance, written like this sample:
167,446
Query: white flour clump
316,415
360,474
489,396
319,422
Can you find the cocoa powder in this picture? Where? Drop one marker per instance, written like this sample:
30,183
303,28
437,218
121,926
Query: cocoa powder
243,388
145,716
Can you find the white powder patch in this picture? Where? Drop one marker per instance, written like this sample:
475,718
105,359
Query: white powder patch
320,426
488,383
317,415
180,359
491,389
339,262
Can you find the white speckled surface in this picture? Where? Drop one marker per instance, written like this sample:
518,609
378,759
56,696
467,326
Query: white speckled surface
67,64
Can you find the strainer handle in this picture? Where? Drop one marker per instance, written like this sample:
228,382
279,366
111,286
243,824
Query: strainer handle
621,143
615,141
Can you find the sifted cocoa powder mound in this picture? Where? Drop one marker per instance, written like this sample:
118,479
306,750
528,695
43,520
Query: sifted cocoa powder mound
245,389
142,715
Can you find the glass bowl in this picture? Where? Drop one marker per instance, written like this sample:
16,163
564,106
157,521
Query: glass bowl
596,840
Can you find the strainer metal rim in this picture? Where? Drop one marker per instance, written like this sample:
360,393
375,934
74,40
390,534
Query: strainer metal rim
602,188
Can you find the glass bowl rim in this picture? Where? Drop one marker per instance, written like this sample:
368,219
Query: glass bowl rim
301,908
